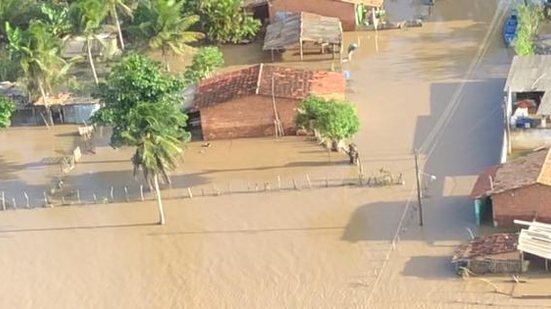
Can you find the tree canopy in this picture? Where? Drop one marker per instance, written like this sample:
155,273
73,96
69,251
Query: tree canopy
530,17
7,107
333,119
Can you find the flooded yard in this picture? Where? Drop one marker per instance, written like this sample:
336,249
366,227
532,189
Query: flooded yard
437,88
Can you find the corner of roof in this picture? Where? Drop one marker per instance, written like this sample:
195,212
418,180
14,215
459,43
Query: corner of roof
544,176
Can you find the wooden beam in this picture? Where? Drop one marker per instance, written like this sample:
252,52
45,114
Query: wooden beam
301,50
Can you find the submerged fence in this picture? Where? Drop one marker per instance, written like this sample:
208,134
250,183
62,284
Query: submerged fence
63,194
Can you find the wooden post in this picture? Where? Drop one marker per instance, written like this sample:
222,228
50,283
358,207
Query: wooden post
95,198
419,197
78,196
14,203
141,192
126,193
295,184
309,183
301,50
27,199
111,193
3,200
278,182
190,195
256,187
326,182
45,199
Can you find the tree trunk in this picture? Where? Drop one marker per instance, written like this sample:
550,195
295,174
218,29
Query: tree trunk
46,105
91,60
165,59
159,201
118,25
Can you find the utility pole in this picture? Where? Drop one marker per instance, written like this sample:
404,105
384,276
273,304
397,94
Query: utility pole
419,197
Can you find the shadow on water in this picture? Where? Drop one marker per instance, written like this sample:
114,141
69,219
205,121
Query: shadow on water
429,267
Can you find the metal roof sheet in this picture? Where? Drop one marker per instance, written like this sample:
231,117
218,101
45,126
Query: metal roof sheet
536,239
302,26
529,73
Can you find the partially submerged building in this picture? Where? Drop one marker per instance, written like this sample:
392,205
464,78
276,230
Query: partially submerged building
295,30
528,102
350,12
518,189
496,253
247,102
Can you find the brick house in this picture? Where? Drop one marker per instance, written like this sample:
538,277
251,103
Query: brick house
518,189
243,102
345,10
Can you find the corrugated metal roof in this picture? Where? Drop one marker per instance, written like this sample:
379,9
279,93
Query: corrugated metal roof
536,239
529,73
302,26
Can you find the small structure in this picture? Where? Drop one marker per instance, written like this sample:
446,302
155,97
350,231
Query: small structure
67,108
496,253
518,189
260,9
528,102
259,100
351,13
535,240
298,28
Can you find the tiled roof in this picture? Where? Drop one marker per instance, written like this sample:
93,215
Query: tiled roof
487,245
288,83
521,172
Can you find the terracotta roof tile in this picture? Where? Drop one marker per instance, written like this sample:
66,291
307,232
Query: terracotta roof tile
288,83
487,245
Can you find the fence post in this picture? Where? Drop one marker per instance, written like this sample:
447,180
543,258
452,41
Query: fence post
309,183
27,199
111,194
278,183
248,187
189,192
3,198
267,187
255,187
126,193
14,203
326,182
95,198
46,204
295,184
78,197
141,192
62,199
215,190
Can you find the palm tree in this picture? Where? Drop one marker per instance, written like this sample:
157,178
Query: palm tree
38,53
127,10
157,147
163,27
87,18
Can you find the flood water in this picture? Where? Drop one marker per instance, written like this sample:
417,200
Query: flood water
437,88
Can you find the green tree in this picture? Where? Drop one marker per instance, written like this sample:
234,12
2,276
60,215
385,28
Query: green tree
141,103
225,21
333,119
162,26
56,18
530,17
37,52
205,61
87,17
7,107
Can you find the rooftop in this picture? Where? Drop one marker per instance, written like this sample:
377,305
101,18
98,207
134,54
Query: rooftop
529,73
297,27
521,172
288,83
484,246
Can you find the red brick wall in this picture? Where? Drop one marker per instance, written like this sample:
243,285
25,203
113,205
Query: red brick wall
343,10
250,116
531,202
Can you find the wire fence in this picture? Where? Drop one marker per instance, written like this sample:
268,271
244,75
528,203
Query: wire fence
59,193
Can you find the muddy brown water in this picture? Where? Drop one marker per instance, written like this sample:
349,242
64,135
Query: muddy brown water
437,88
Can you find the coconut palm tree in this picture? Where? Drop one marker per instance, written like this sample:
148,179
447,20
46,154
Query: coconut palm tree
87,17
121,5
157,146
38,53
163,27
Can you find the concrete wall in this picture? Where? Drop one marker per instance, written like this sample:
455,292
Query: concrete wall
247,117
522,139
343,10
527,203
